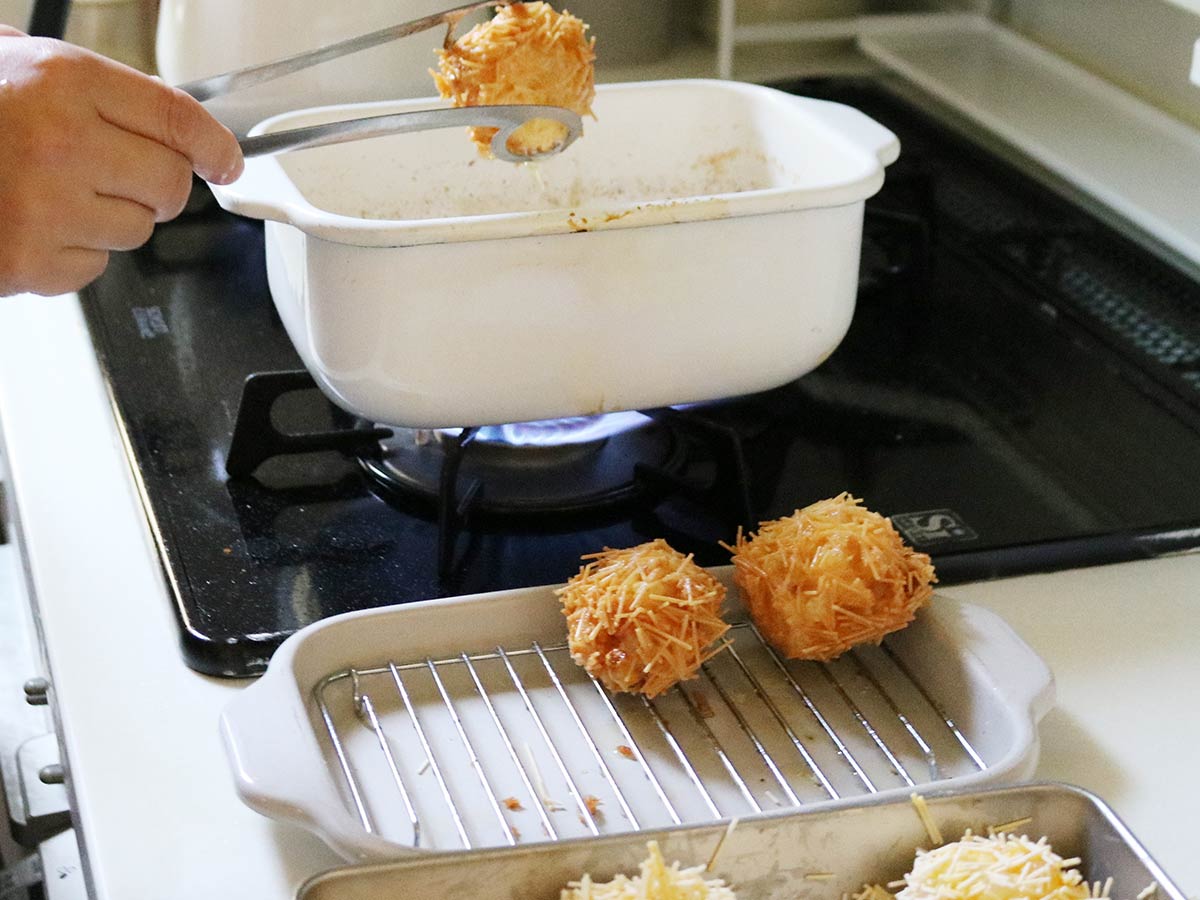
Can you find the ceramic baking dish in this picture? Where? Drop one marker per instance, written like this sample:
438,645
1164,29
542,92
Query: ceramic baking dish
463,723
700,241
826,854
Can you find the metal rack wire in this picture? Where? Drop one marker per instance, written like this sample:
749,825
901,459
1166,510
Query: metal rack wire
521,745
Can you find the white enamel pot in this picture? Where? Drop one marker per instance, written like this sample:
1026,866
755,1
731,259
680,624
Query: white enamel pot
700,241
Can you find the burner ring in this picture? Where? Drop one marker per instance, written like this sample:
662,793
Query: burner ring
526,480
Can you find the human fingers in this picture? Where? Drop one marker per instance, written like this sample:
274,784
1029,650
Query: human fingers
135,102
107,198
141,170
52,271
109,223
74,267
79,221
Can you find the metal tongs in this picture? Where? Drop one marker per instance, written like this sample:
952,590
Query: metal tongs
505,118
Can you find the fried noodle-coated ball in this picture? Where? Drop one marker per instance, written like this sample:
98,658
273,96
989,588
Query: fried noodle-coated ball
828,577
527,54
644,618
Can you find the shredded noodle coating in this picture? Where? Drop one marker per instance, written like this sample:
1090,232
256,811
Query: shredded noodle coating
644,618
828,577
1000,867
527,54
655,881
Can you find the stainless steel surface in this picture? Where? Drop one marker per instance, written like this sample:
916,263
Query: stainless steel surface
505,118
723,741
218,85
827,853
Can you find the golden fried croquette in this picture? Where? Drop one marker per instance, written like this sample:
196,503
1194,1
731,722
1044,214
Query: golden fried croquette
527,54
828,577
644,618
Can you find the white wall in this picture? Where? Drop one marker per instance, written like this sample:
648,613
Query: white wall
1145,46
15,12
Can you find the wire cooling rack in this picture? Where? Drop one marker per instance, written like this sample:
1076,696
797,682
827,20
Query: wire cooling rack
520,745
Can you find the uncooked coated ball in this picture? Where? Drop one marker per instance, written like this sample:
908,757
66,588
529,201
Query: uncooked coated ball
996,867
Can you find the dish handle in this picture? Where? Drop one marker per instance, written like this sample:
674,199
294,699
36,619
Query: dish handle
1020,674
278,766
856,126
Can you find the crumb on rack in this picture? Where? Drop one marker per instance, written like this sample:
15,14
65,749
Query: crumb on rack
703,707
539,783
625,751
513,804
1148,891
593,805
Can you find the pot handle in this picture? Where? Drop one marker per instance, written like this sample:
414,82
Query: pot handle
858,127
262,192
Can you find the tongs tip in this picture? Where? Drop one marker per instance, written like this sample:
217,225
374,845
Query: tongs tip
513,118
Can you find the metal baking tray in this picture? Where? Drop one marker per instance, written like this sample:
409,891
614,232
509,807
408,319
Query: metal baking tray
821,854
463,724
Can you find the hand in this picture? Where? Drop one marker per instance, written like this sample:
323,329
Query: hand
92,155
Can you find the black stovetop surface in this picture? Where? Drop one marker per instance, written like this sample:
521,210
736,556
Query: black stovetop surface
1022,375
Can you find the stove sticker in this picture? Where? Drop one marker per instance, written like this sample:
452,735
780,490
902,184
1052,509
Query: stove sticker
934,526
150,321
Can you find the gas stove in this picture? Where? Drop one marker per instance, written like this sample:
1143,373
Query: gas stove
1008,357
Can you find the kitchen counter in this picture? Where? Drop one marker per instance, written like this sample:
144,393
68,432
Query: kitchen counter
156,807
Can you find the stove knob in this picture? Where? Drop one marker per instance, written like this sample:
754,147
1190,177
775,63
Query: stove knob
36,691
52,774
